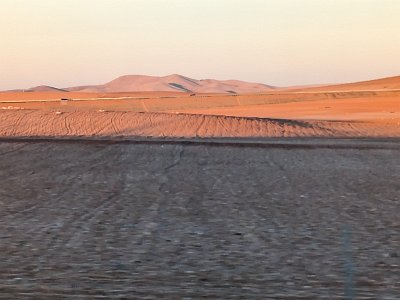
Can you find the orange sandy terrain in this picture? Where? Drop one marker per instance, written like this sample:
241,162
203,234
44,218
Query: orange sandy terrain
389,83
352,109
361,113
8,97
38,123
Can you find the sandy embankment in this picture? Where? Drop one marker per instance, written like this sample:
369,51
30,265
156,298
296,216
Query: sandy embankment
38,123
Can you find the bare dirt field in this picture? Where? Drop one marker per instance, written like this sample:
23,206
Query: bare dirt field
156,195
346,109
329,114
176,221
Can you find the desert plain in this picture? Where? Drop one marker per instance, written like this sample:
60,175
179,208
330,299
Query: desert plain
365,109
272,193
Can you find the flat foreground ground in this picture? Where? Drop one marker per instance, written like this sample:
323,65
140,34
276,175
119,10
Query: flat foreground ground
175,221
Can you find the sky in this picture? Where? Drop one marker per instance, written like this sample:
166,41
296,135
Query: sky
278,42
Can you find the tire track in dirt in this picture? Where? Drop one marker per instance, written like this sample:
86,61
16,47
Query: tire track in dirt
205,221
14,176
307,237
17,120
85,221
200,126
13,151
6,121
113,123
182,125
149,224
57,243
17,123
67,125
81,222
69,231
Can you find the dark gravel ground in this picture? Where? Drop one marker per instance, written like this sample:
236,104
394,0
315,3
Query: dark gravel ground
153,221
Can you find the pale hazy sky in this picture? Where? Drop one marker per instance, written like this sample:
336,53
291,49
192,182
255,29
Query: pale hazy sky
279,42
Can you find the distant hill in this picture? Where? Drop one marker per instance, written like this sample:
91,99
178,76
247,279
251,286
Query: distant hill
173,83
40,88
179,83
45,88
388,83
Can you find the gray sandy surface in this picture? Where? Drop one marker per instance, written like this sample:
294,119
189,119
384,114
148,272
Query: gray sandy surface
175,221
